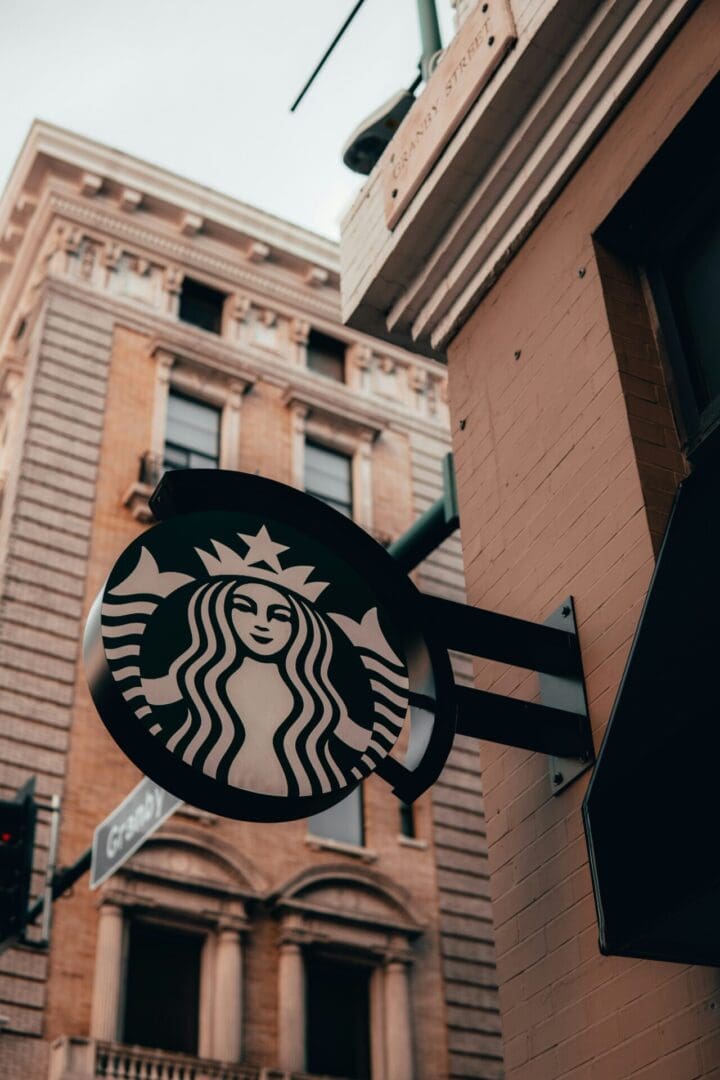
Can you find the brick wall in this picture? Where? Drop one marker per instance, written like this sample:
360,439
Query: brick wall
49,514
99,285
558,481
98,775
467,939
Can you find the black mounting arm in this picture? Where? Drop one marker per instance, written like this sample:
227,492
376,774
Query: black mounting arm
559,725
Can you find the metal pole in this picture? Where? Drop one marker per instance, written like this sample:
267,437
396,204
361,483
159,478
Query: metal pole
50,870
326,54
429,35
437,523
62,881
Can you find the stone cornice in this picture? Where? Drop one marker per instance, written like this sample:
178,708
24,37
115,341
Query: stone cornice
345,410
281,289
331,914
216,356
57,146
288,298
156,237
188,884
547,105
242,362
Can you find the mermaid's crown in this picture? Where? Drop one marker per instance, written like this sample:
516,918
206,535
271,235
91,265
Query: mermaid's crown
261,549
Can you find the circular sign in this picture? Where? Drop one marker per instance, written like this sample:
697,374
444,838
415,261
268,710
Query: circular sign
261,662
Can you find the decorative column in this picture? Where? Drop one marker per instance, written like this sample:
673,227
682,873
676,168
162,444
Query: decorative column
107,984
377,1024
230,427
291,1008
362,481
360,362
228,1006
299,415
398,1026
299,334
418,382
164,361
110,258
236,314
172,284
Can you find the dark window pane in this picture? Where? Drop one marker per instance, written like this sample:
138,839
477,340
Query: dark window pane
176,457
192,434
338,1022
668,223
326,356
162,988
693,279
343,822
201,305
407,820
328,476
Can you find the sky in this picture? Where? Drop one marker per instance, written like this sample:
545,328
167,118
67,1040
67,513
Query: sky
204,87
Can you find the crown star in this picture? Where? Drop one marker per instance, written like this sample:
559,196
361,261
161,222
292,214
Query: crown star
262,548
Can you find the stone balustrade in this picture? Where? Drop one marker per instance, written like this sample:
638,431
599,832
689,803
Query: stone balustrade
73,1058
117,1062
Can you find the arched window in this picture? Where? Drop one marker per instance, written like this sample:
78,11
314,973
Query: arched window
344,975
169,955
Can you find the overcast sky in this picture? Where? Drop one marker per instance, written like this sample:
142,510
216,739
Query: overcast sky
204,87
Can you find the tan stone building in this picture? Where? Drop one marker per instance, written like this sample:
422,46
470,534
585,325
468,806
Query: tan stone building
148,322
547,219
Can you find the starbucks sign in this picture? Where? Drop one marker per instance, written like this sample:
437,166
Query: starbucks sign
261,661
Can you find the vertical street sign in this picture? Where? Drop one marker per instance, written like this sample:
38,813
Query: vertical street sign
128,827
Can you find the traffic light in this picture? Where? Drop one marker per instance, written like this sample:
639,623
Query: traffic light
17,833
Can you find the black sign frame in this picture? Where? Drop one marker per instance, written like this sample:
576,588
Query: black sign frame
432,710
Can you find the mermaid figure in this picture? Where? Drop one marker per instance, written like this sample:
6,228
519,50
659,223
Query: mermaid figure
250,701
262,706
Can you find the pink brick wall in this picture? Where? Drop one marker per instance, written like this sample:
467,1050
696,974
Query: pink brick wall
561,492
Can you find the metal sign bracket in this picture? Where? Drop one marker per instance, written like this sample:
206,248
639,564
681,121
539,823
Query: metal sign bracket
559,724
567,692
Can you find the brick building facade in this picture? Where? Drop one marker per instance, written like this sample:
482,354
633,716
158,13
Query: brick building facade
558,251
147,321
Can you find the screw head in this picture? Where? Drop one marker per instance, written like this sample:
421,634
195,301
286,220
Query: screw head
581,272
558,778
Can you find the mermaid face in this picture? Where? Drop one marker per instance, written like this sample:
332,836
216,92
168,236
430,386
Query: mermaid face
262,619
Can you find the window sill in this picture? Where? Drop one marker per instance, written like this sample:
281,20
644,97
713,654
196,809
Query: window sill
136,499
322,843
411,842
205,816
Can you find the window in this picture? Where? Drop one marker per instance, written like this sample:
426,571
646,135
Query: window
407,821
691,275
162,988
342,822
338,1020
328,476
201,305
326,356
192,434
668,225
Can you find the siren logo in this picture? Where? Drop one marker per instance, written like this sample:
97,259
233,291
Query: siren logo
261,662
246,666
251,700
